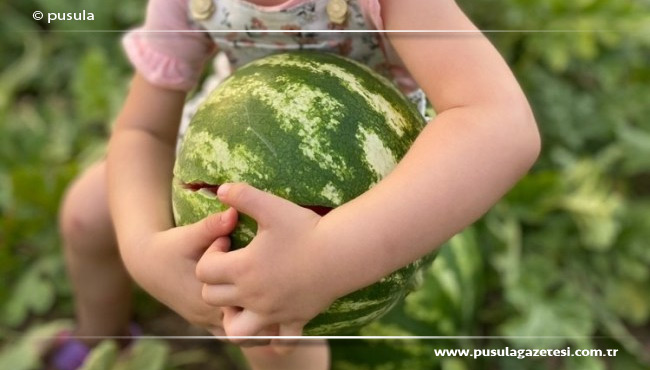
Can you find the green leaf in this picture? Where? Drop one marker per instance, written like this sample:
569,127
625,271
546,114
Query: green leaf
557,315
18,357
190,357
636,147
504,226
6,198
21,70
630,300
24,354
34,293
94,87
453,364
536,195
585,362
149,354
593,205
102,357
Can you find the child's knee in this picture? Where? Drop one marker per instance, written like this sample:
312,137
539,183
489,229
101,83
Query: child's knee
76,223
84,220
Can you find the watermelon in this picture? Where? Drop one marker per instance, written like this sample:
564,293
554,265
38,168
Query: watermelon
314,128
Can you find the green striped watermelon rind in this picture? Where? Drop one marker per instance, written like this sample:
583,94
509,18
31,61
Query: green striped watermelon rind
328,135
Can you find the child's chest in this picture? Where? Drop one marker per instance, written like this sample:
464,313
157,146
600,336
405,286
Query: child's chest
247,31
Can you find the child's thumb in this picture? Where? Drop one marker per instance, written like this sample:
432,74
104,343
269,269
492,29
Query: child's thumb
284,346
240,323
260,205
203,233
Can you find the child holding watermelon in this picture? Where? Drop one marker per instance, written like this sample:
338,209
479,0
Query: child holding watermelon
481,142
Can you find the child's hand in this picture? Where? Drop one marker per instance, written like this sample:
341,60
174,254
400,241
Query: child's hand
167,263
278,278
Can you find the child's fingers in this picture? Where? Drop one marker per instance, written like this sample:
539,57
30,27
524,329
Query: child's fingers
285,346
243,323
291,330
262,206
267,332
202,233
229,314
215,267
217,331
220,295
220,245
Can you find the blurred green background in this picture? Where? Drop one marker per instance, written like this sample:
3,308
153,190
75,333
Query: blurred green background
565,255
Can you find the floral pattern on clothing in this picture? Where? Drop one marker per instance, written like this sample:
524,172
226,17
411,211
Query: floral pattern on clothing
306,17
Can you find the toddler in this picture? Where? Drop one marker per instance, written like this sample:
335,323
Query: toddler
482,140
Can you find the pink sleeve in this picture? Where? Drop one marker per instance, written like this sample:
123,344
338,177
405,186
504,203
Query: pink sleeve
372,11
172,60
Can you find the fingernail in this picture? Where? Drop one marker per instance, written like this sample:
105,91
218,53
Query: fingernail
223,190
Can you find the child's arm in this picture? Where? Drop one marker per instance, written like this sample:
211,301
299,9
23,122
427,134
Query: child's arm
482,141
159,257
